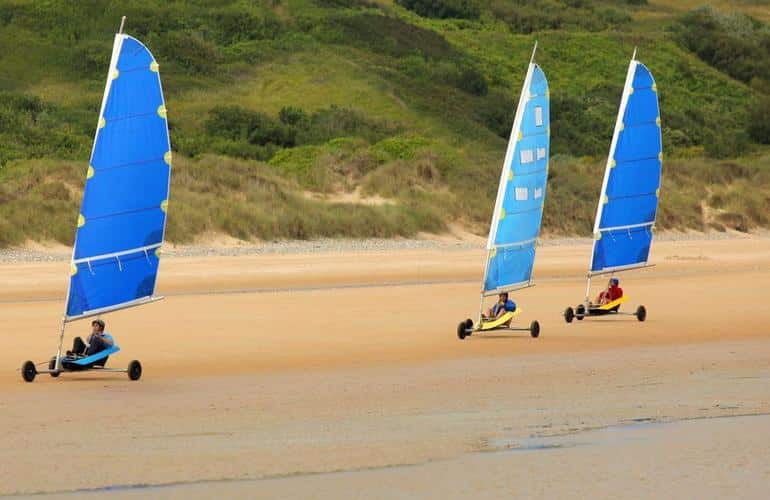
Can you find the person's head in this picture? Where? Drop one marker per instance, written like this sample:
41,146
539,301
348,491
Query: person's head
97,325
504,297
614,282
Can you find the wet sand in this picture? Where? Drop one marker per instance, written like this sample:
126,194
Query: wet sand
339,375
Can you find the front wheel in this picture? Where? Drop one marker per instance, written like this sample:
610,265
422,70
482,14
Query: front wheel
569,315
580,312
134,370
28,371
641,313
534,329
52,366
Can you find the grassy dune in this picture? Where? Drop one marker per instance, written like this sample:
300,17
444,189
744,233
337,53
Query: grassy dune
271,101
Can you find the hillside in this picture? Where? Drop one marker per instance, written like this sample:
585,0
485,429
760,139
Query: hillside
315,118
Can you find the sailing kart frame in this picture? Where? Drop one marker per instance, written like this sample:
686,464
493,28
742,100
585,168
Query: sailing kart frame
587,308
62,363
466,328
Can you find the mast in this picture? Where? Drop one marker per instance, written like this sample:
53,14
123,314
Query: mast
110,72
523,98
610,160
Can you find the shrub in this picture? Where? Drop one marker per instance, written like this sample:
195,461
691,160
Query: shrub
759,121
443,9
734,43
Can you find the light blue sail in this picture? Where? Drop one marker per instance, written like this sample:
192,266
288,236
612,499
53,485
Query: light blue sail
521,194
629,200
123,215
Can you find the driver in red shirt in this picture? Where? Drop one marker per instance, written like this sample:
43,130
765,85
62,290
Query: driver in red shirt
613,292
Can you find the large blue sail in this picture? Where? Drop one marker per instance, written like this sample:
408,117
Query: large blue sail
123,215
521,193
629,199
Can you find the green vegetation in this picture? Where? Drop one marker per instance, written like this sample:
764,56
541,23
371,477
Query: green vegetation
276,106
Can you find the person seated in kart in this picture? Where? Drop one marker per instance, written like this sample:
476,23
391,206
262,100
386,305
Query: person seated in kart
98,341
612,292
503,305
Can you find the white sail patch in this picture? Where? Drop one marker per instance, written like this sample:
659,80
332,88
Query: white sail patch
539,116
540,153
522,194
527,156
538,193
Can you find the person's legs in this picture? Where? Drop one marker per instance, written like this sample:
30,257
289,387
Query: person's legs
78,346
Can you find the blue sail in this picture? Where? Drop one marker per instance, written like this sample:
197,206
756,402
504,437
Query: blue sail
629,201
122,219
519,206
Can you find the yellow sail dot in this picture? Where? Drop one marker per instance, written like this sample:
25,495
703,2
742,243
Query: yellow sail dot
549,131
162,111
657,192
630,90
81,220
73,270
622,126
613,163
115,74
154,67
606,199
502,213
493,252
657,121
520,136
167,158
510,175
90,173
598,235
158,252
102,122
164,205
655,87
660,156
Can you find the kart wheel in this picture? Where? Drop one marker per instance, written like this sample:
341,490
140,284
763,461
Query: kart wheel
134,370
569,315
461,330
28,371
641,313
469,324
534,329
580,312
52,366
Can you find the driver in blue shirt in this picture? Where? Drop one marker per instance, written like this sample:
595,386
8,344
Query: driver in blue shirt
98,341
503,305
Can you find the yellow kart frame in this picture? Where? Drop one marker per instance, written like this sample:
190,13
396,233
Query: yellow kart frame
466,328
585,310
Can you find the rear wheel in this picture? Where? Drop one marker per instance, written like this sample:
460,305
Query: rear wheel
534,329
134,370
569,315
52,366
580,312
641,313
28,371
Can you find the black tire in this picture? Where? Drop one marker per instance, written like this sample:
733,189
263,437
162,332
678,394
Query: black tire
534,329
134,370
569,315
28,371
52,366
641,313
580,312
469,324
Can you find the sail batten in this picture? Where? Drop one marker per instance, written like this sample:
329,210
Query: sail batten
517,215
627,208
122,220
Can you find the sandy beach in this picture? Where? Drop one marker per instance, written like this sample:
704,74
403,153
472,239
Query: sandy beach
338,374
